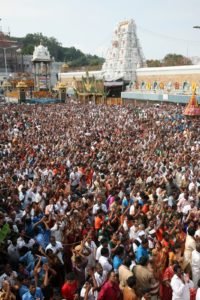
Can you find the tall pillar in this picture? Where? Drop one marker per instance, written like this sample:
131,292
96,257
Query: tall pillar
21,86
62,92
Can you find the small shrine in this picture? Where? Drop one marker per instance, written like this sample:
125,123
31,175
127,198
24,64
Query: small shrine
192,109
41,68
89,89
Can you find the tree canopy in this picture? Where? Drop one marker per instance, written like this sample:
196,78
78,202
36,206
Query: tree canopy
74,57
170,59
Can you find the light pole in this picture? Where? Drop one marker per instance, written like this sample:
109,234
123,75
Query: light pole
5,57
19,51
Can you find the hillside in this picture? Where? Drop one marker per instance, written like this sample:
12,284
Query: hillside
74,57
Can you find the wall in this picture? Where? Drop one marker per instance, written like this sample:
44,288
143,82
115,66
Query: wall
169,74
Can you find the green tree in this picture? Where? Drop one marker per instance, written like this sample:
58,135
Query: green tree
153,63
71,55
173,59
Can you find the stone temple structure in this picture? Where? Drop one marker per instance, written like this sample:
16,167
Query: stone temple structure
41,68
125,54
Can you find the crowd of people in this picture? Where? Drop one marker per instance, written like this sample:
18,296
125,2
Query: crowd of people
99,202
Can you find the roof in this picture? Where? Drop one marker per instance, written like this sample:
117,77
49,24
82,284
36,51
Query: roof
192,109
41,53
113,83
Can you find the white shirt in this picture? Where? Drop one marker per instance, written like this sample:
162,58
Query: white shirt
195,264
91,258
105,264
133,232
58,247
98,252
11,278
21,243
180,290
198,294
97,207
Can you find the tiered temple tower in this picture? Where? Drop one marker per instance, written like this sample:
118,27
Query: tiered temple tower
125,54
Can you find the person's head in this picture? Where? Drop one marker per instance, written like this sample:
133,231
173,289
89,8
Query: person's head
49,253
177,247
178,271
145,243
192,203
99,199
70,277
32,287
99,269
8,269
131,281
53,240
143,261
166,236
104,242
78,261
114,237
127,261
23,280
105,252
119,251
191,231
112,277
198,247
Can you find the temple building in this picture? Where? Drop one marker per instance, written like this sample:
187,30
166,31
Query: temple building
41,68
125,54
126,75
123,58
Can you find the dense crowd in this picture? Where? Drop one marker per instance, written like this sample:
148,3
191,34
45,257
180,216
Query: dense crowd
99,203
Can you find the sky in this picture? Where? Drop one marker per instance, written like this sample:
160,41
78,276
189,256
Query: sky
163,26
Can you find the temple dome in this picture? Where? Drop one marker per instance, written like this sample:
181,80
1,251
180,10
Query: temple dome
64,68
41,53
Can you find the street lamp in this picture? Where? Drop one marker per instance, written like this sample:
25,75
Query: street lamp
5,57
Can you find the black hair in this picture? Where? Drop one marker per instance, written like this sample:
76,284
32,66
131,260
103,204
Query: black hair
119,250
127,261
103,240
70,276
191,231
143,260
176,268
131,281
198,283
104,251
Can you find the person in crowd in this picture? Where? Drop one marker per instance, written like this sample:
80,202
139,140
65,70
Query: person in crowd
110,290
88,189
180,284
128,291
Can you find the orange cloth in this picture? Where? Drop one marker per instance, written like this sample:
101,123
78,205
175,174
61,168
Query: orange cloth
98,222
129,294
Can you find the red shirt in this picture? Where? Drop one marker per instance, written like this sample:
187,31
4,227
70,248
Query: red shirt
69,290
110,291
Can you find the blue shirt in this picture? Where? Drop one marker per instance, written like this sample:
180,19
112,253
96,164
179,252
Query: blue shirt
117,261
38,294
29,260
22,290
43,238
125,202
141,252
